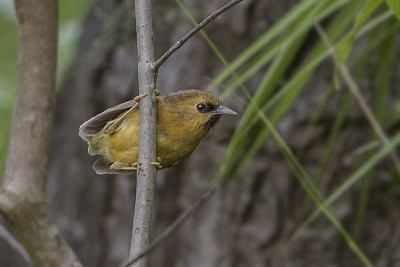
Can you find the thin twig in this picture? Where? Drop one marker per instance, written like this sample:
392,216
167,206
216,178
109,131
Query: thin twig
154,67
146,172
175,226
353,87
14,243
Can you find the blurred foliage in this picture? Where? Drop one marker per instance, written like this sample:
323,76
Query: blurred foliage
275,48
346,43
71,14
394,5
274,54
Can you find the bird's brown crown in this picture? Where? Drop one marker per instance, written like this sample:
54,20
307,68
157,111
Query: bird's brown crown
192,97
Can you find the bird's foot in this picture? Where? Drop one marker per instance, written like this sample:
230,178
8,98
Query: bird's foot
114,125
157,163
121,166
137,99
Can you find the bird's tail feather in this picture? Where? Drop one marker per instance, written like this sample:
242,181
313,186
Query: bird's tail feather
101,166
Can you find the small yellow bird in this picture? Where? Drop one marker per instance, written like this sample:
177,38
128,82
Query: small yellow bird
183,118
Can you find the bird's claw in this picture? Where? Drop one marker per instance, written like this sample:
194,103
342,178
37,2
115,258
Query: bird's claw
137,98
120,166
157,164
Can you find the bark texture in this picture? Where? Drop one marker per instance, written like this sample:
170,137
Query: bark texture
252,220
146,172
23,195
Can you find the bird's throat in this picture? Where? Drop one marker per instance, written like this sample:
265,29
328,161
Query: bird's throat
211,122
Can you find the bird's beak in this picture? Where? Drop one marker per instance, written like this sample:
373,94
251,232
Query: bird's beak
224,110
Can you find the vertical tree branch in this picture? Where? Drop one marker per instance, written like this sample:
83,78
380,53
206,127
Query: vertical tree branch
23,194
146,173
175,225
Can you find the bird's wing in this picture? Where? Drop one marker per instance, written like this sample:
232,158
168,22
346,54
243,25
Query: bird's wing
91,127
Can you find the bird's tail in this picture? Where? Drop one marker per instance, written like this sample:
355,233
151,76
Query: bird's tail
89,129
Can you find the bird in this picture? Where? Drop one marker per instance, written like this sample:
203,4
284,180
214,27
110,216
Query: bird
183,119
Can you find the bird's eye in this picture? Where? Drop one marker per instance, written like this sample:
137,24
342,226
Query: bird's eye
201,107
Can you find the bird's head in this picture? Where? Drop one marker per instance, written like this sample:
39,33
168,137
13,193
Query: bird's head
201,109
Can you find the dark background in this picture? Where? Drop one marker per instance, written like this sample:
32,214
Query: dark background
254,220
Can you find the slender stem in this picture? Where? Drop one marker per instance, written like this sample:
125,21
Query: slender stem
14,243
146,172
177,45
175,226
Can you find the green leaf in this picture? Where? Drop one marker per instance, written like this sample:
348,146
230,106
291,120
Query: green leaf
344,48
397,106
346,44
394,5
